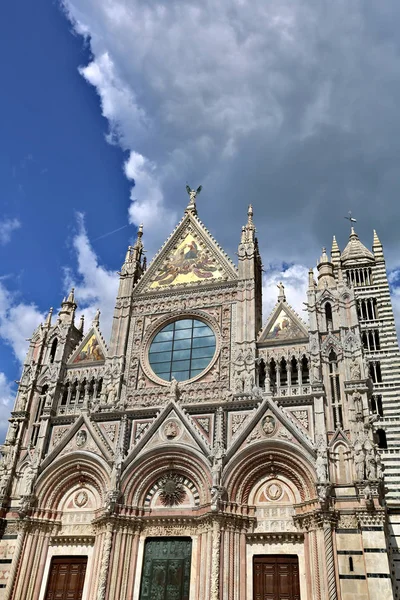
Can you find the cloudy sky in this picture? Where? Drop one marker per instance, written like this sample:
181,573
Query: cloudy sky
113,105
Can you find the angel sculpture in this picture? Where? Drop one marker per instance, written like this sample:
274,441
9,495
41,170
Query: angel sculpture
193,193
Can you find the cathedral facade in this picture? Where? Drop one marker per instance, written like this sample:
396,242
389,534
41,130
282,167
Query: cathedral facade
201,454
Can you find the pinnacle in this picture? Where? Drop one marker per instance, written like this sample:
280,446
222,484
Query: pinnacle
335,247
376,241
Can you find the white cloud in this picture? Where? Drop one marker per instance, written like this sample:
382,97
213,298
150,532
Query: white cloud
275,103
18,320
95,286
7,227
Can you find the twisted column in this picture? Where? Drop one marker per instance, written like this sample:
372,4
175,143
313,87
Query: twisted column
317,583
15,563
105,562
330,562
215,560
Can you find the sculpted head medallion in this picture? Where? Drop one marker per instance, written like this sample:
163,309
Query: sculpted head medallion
171,430
81,438
268,425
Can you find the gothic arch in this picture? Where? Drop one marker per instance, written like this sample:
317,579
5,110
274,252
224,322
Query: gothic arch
143,474
65,473
264,458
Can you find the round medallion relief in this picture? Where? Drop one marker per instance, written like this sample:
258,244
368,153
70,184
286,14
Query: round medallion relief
268,425
81,438
274,491
171,430
81,499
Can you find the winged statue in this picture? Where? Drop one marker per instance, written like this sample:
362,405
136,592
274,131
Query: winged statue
193,193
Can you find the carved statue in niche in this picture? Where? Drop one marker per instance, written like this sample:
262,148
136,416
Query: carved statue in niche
321,466
380,467
370,460
12,434
109,394
357,399
359,463
316,371
355,371
22,399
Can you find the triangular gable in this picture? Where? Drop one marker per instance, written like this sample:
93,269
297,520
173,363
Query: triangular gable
190,256
91,351
270,421
88,440
172,426
283,325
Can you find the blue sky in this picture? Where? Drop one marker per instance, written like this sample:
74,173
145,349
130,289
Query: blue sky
292,106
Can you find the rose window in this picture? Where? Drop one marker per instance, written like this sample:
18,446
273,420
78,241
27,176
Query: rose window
182,349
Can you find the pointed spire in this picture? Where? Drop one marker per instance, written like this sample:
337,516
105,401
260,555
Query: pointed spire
324,256
335,253
355,250
47,322
68,308
311,282
71,297
96,320
325,271
377,247
82,323
248,230
376,241
281,295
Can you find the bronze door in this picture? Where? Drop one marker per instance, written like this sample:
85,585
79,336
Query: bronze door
66,578
276,577
166,569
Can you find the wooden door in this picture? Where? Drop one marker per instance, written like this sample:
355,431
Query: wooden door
166,569
276,577
66,578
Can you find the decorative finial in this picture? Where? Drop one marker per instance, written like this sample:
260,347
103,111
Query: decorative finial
281,295
71,297
324,257
47,322
192,197
250,215
96,319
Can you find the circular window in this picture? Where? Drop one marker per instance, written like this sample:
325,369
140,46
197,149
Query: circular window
182,350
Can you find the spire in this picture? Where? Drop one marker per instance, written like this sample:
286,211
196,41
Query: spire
377,247
68,308
281,295
71,297
324,256
311,282
249,230
82,323
134,263
96,320
325,271
355,250
47,322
